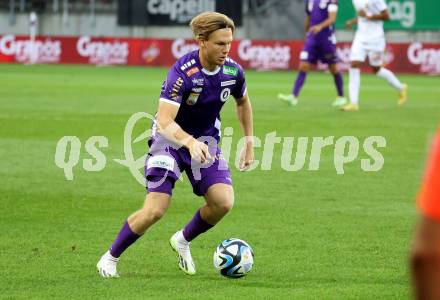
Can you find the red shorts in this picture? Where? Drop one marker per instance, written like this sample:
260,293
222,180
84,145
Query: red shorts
429,196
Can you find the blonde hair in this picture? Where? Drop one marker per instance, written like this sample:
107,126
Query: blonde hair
206,23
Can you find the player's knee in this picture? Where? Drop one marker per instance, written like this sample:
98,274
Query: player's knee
224,208
375,69
303,67
153,214
333,69
225,204
356,64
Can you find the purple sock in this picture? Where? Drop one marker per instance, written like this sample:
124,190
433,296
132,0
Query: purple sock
300,79
125,238
195,227
339,84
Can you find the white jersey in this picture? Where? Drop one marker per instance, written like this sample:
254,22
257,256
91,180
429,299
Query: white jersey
370,30
33,25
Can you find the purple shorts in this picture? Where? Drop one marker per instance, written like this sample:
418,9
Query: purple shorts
165,163
322,48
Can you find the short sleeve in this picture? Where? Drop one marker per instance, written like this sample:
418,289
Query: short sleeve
240,86
332,6
308,12
174,87
381,5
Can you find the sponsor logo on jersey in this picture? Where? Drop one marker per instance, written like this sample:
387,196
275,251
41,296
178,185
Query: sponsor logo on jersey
197,90
198,81
224,95
227,83
176,88
192,71
233,71
161,161
188,64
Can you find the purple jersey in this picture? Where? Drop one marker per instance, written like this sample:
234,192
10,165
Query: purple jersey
318,11
321,46
201,94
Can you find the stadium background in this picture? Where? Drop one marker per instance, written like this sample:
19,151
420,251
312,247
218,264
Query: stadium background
139,33
315,234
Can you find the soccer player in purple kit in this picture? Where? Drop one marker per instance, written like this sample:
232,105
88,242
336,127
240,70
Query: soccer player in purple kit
185,136
320,44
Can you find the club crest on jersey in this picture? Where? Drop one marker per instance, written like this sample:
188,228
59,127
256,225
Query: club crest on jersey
192,71
224,95
192,98
233,71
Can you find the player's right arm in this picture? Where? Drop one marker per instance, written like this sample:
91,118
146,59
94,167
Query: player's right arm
331,19
350,23
171,97
307,24
381,6
384,15
307,19
169,129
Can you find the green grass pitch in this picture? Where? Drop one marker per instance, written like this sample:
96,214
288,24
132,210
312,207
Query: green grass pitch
315,234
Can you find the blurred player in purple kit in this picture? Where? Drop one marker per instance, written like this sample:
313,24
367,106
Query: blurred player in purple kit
320,45
185,136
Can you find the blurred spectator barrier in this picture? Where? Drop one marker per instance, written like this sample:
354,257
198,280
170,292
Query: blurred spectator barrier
404,14
251,54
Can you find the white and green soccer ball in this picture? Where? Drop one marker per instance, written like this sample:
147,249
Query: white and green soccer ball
234,258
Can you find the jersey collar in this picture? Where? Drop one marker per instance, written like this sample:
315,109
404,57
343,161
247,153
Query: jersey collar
210,73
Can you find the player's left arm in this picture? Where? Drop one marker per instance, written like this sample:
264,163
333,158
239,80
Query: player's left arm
382,16
307,19
331,19
381,6
307,24
245,117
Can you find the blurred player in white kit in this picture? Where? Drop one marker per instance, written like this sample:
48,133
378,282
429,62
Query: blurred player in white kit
33,31
369,42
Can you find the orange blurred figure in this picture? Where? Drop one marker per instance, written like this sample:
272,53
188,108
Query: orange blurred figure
425,253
